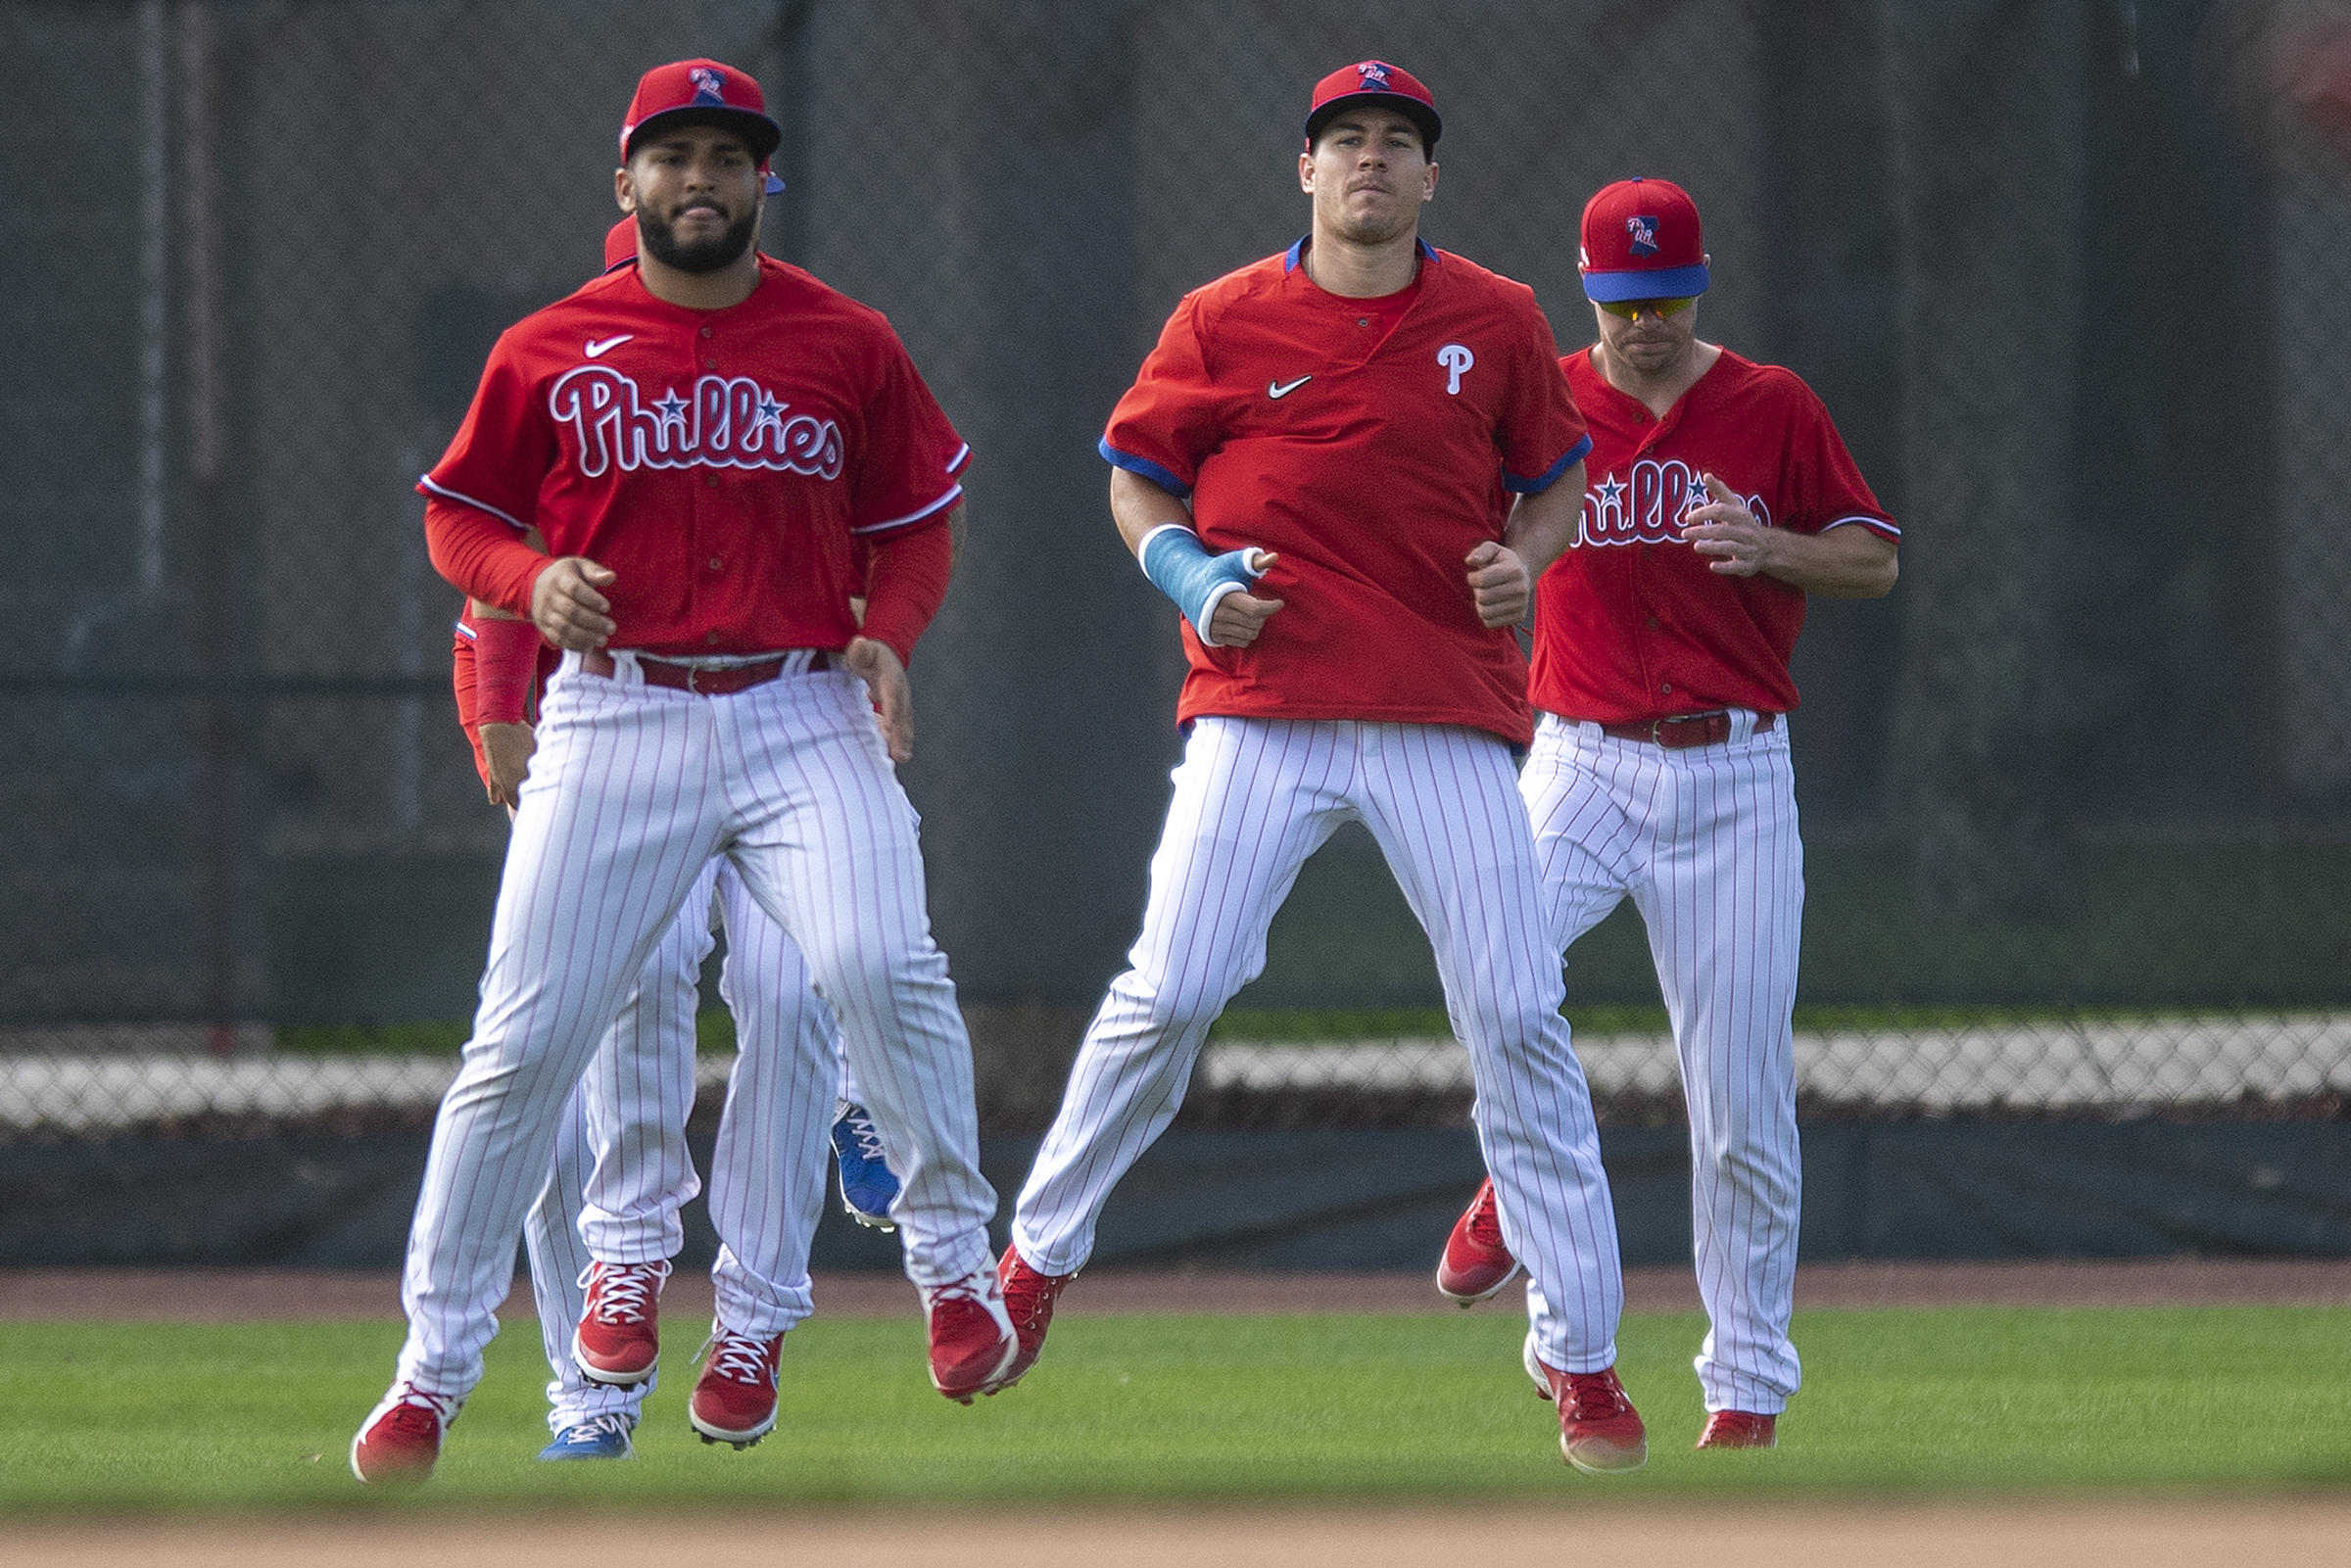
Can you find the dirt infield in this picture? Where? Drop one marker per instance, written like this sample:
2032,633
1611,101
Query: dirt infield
2293,1533
227,1296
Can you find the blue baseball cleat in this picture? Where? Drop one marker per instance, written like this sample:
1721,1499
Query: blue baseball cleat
599,1437
867,1186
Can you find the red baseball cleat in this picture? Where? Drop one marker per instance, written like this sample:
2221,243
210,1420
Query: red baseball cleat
1476,1264
619,1337
735,1399
1029,1298
400,1439
1738,1429
1599,1431
972,1343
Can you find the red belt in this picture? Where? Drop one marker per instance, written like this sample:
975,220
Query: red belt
1683,729
703,681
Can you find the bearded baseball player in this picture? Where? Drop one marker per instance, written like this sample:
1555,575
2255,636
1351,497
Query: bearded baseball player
600,1237
1350,422
703,441
1718,496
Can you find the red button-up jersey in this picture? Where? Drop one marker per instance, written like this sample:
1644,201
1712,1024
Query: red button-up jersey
1629,621
1373,447
724,464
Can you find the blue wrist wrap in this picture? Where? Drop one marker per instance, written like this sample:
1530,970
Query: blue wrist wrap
1181,567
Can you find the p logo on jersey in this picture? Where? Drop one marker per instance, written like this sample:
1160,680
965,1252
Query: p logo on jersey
1456,357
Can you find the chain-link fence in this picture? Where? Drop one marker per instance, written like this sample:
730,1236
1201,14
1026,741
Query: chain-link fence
2078,795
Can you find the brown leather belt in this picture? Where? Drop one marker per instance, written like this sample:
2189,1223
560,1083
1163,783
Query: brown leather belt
706,681
1682,730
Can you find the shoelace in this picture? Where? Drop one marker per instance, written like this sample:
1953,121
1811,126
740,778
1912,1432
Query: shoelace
1027,1294
424,1401
1485,1220
740,1358
971,1288
1595,1397
622,1291
865,1135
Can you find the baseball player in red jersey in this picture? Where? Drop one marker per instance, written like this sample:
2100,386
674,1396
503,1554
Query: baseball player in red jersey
702,441
600,1235
1350,421
1718,496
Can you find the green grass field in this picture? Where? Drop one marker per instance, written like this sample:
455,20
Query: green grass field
1914,1404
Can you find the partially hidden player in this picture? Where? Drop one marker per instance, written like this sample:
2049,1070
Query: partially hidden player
704,441
1718,495
1317,465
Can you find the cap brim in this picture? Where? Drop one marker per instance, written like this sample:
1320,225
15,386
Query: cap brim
762,135
1665,283
1411,109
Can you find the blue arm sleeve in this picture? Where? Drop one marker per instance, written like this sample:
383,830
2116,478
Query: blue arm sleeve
1181,567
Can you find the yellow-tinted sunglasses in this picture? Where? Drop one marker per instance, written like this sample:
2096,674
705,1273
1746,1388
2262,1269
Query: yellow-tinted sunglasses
1634,309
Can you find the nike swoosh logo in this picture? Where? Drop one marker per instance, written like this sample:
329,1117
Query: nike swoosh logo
1282,389
597,350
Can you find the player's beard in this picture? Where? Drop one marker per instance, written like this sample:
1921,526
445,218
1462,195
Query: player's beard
704,255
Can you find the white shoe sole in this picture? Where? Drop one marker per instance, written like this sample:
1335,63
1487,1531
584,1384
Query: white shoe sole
1460,1299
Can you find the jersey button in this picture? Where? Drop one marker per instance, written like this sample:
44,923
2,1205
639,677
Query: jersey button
1667,686
710,637
709,365
705,332
1652,620
716,563
710,482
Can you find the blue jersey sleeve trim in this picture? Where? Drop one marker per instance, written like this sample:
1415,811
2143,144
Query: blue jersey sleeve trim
1144,466
445,494
1548,476
954,494
1876,525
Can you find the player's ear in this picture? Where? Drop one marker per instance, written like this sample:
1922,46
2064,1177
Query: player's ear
1428,184
1306,172
624,189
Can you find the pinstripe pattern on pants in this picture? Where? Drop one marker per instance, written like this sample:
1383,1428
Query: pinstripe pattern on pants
1253,800
629,1110
767,1181
633,790
1704,841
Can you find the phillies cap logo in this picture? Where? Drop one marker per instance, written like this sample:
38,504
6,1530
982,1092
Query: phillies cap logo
1644,231
1374,75
708,87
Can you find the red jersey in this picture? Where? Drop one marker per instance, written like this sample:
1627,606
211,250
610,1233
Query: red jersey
1373,444
1629,623
722,463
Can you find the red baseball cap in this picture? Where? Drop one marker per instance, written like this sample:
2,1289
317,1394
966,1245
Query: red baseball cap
620,243
1641,241
704,92
1376,83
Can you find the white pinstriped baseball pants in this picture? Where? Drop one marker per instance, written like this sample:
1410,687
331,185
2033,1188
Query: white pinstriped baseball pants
633,790
622,1169
1704,841
1254,799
